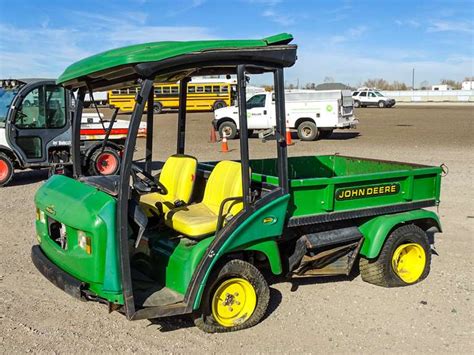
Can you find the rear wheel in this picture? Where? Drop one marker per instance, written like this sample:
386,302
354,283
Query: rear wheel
229,129
381,104
307,131
404,260
157,107
218,104
6,169
325,134
236,299
105,162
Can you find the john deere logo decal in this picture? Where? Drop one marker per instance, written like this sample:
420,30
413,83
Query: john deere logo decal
329,108
367,191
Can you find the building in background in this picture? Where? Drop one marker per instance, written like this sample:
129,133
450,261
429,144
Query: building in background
441,87
467,85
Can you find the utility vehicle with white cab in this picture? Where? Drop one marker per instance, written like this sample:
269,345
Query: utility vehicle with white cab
198,237
35,131
313,114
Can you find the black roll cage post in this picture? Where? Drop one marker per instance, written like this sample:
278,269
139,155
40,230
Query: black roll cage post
76,133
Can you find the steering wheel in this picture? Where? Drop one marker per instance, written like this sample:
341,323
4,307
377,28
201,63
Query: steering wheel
146,183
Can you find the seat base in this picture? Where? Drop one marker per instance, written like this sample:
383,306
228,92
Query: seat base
195,221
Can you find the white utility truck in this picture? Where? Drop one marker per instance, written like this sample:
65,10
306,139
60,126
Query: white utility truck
313,114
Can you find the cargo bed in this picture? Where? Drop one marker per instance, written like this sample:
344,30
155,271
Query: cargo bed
333,187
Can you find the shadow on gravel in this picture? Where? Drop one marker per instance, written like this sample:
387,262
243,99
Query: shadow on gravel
343,136
275,300
28,177
169,324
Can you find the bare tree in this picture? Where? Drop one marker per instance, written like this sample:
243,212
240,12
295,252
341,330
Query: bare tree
328,79
425,85
454,84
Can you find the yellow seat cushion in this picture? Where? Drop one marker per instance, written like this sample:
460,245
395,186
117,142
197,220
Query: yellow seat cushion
200,219
178,176
193,220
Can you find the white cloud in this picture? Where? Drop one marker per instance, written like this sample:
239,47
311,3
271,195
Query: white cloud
451,26
281,19
348,35
408,22
180,9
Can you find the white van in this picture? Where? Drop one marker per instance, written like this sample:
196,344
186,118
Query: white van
314,114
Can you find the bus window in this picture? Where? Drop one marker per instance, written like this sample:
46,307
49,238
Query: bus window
166,89
207,89
191,89
158,90
174,89
115,92
199,89
215,89
224,89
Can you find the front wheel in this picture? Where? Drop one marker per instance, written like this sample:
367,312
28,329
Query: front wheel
6,169
381,104
236,298
307,131
356,103
404,259
105,162
229,129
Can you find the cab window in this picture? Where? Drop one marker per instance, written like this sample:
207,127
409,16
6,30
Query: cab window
43,107
355,93
363,94
371,94
256,101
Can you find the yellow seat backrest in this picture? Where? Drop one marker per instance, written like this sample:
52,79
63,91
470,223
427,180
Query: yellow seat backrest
225,181
178,175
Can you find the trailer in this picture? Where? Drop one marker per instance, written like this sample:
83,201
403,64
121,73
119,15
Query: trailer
174,237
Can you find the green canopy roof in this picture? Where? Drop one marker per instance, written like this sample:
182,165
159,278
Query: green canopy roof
118,63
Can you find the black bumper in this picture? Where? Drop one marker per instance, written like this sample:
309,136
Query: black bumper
60,278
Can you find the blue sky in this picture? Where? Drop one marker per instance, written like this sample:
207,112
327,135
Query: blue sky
349,41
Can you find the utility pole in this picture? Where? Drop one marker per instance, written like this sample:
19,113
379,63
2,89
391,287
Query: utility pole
413,80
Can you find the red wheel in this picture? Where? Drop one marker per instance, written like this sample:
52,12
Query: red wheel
104,163
6,169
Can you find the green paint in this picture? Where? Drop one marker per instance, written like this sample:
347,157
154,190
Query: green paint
376,230
175,260
158,51
82,207
271,251
252,232
329,108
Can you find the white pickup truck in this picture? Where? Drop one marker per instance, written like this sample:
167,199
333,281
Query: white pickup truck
313,114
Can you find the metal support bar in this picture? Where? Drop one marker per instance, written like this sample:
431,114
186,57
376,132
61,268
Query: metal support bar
183,90
280,133
123,197
149,131
76,133
243,133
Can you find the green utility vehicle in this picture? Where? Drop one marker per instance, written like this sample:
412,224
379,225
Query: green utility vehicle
199,237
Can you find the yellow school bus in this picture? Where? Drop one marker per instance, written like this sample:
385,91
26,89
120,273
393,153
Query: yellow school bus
200,97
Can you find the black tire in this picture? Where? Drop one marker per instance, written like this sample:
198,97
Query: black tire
307,131
325,134
380,271
94,164
357,103
229,129
7,170
218,104
381,104
157,108
204,318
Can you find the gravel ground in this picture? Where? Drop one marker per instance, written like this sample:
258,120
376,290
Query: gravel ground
323,315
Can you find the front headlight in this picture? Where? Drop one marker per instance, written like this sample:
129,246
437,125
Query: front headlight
84,242
40,216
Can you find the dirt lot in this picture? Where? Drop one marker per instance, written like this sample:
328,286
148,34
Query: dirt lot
325,315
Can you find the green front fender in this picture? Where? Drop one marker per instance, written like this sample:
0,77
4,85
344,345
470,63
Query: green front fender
259,233
376,230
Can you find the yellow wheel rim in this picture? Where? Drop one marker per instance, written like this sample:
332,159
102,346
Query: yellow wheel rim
233,302
408,262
